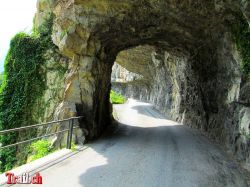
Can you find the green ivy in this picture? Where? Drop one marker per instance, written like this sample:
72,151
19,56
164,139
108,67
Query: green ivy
23,84
241,33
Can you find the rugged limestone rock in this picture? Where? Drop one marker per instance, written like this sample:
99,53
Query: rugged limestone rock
120,74
193,53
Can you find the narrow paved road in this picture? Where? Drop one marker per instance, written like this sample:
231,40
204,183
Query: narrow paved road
147,150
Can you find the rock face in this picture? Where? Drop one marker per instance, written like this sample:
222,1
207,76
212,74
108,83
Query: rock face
186,56
120,74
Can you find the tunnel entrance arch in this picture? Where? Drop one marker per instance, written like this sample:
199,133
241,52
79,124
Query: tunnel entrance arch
199,31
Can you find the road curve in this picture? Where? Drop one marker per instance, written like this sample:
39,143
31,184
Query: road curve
147,150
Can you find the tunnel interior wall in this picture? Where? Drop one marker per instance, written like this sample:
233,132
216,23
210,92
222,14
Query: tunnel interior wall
203,91
170,84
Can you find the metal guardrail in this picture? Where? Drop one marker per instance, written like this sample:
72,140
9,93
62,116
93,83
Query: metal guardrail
69,138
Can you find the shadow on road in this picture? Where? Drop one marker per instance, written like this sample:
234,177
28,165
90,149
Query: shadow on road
161,156
148,150
148,110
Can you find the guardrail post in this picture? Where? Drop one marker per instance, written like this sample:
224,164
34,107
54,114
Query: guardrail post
70,132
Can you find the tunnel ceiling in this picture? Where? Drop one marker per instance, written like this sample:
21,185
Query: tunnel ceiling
136,22
118,25
141,59
137,60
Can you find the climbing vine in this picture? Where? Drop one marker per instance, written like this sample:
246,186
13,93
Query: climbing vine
23,84
241,33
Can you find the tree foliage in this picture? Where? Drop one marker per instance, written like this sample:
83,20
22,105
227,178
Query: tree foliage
1,78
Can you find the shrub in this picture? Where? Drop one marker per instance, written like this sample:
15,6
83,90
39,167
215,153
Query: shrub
116,98
40,149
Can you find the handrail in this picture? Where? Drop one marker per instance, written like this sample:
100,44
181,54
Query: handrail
37,125
69,129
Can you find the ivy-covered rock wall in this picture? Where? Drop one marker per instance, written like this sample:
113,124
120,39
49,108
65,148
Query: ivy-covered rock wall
33,78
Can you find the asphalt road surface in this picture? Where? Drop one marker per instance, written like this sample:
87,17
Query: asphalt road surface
147,150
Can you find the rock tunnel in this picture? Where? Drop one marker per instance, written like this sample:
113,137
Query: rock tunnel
184,51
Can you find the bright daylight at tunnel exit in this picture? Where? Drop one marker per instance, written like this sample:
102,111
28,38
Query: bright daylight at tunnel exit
125,93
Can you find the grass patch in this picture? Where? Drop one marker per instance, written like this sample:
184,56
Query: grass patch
73,147
116,98
42,148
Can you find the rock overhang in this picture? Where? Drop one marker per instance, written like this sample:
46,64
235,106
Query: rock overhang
118,25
